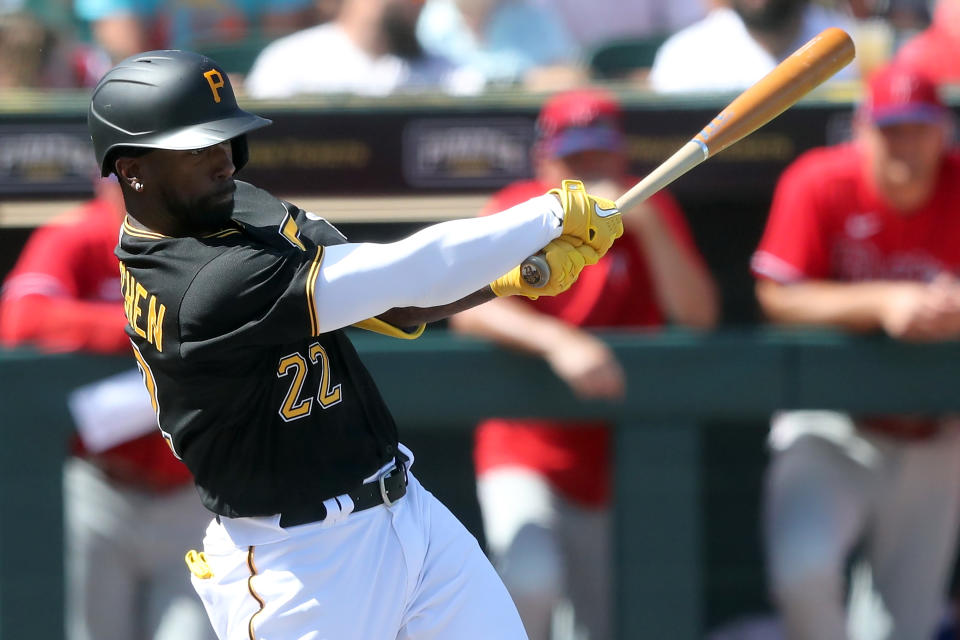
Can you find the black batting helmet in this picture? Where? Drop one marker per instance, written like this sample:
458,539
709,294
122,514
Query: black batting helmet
175,100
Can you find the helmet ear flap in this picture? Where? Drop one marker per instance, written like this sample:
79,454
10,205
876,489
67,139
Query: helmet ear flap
241,153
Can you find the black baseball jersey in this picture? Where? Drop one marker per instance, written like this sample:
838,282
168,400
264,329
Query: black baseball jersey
269,415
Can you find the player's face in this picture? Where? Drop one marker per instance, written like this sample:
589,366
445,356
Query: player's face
768,14
588,166
198,186
905,160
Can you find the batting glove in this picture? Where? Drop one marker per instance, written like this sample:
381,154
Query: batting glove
594,220
566,256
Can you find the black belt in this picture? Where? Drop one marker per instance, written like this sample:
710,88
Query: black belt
386,489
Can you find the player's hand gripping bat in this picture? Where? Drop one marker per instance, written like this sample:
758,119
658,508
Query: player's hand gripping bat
805,69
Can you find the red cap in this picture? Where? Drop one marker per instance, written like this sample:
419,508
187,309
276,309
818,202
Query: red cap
899,94
580,120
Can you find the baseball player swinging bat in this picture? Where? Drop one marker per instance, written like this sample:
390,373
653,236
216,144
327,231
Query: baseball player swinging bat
805,69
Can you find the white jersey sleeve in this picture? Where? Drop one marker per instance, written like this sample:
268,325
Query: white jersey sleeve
433,267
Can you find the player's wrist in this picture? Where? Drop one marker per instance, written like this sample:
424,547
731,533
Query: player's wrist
554,207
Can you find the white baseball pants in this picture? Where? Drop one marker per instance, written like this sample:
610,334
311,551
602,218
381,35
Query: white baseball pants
407,571
831,487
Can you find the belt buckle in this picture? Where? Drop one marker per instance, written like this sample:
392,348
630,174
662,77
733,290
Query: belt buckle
383,489
401,467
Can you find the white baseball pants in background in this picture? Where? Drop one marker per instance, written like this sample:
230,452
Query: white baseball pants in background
124,559
831,488
547,549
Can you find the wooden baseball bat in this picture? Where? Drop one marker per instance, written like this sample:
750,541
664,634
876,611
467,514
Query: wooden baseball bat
802,71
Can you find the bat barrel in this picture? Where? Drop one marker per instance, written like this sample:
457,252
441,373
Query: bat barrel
795,77
808,67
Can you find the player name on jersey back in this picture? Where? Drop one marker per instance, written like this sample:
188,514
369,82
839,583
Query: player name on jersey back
145,314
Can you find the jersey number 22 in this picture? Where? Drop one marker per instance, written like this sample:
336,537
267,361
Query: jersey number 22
295,365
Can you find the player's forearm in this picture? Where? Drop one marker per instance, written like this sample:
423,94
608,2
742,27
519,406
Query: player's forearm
855,306
56,324
432,268
513,324
407,317
684,288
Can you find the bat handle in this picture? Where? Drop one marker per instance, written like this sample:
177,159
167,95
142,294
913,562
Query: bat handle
535,271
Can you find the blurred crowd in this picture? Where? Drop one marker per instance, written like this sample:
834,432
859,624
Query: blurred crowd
279,48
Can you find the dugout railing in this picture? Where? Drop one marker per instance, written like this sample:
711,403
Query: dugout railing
677,382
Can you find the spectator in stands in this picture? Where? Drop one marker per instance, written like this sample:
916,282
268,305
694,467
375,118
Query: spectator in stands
502,41
599,21
908,16
901,15
736,45
36,57
370,48
131,509
936,51
866,237
544,485
22,43
125,27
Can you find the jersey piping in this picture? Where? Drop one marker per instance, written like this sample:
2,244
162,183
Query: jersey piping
256,596
143,233
311,287
140,233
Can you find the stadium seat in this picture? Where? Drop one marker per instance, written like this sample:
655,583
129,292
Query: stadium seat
238,56
619,58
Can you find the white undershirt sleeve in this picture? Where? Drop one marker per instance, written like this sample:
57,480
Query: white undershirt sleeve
433,267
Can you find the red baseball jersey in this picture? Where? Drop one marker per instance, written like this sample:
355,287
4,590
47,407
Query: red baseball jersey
829,222
63,294
616,292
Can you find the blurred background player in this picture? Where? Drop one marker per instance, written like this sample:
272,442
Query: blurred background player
543,485
130,509
738,43
866,236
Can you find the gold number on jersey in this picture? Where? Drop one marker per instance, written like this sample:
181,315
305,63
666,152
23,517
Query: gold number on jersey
151,384
327,395
295,365
292,408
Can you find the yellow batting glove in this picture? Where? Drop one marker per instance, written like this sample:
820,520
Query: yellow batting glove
566,256
594,220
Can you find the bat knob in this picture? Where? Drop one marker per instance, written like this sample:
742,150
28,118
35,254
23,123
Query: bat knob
535,271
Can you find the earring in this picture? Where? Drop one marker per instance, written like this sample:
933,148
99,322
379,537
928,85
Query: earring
137,186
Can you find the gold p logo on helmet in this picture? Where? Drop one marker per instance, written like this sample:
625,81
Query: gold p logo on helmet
215,80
